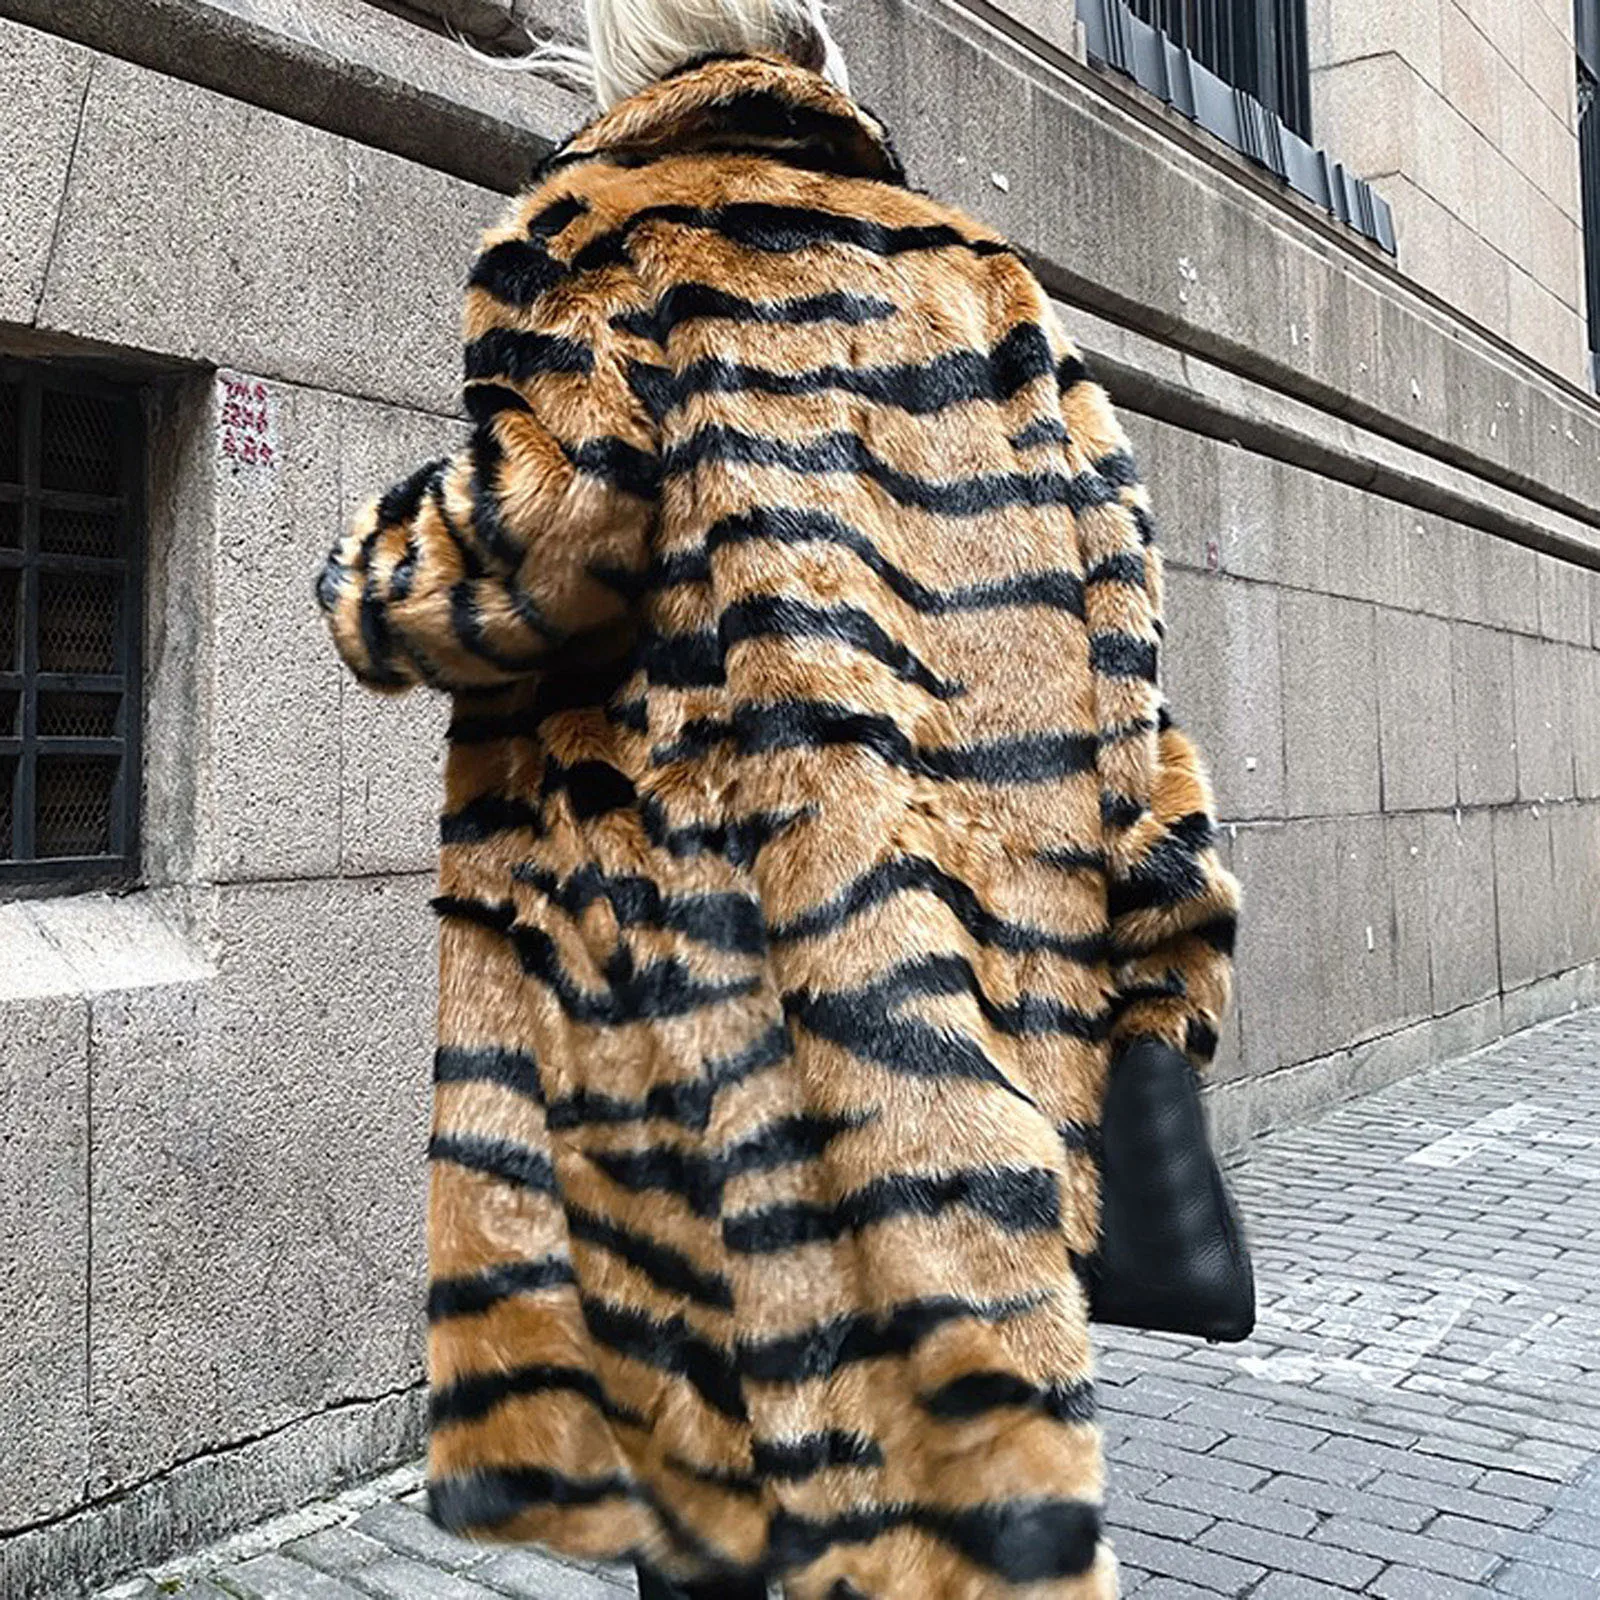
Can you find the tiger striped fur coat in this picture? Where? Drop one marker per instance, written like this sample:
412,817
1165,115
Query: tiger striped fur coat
815,831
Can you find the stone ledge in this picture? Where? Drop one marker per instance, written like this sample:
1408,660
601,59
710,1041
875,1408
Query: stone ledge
342,65
79,946
1202,397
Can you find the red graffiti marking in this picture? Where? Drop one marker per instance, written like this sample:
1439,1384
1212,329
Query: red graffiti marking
245,422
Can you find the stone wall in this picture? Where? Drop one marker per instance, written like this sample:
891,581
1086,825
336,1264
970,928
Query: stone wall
1464,113
1385,600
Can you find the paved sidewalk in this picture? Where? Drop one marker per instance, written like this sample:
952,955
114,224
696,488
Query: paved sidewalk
1418,1417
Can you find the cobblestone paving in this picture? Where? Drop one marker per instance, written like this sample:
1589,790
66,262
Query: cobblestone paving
1417,1418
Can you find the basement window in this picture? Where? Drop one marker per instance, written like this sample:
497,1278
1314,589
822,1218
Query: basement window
1239,69
71,545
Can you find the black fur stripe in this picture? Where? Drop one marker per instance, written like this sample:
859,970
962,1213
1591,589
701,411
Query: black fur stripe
511,1069
1073,858
486,815
403,500
975,1394
699,1177
625,466
688,1103
1058,588
699,302
504,1159
664,988
516,271
727,921
494,1495
669,1345
1120,566
1017,1200
1170,872
783,617
819,1351
817,725
1042,430
1020,1541
921,388
472,1398
1122,655
783,230
476,1292
669,1269
805,1455
908,874
517,355
849,453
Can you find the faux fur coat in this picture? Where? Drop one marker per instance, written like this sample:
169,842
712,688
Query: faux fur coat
815,832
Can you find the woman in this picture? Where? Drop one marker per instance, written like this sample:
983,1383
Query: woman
815,836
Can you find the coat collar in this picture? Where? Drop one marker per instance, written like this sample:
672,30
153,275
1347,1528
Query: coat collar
755,103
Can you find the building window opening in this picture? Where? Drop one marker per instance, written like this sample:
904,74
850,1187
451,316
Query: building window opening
71,542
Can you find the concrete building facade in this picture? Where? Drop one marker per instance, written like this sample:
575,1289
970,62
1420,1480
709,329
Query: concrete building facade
1377,476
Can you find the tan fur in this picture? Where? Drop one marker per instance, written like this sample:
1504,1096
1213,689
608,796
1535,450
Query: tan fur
695,1169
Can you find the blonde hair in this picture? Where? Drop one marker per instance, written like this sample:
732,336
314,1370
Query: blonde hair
633,43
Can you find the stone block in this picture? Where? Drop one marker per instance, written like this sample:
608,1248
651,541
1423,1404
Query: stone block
1221,674
44,1244
274,731
175,236
402,288
1546,60
1229,1061
1486,750
1544,327
1348,33
1371,951
1369,553
1575,855
258,1174
1271,514
1525,885
46,79
1330,708
1473,73
1563,597
1324,957
1446,562
1544,718
1444,156
1416,715
1409,920
1275,970
391,747
1583,680
1458,856
1510,584
1180,469
1365,107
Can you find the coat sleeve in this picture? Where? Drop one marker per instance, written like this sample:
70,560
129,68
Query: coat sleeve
471,571
1172,905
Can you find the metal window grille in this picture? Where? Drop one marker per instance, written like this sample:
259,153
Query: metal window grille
1256,45
1256,98
70,608
1588,36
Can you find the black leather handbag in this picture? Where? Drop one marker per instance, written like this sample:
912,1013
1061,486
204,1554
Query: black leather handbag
1172,1255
